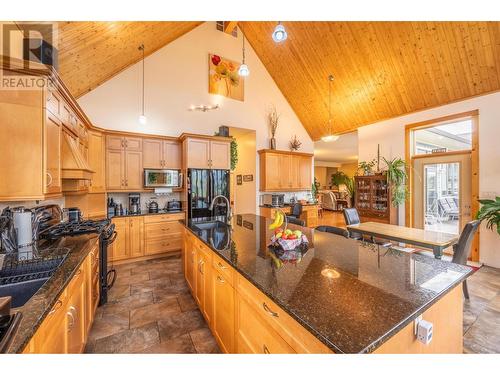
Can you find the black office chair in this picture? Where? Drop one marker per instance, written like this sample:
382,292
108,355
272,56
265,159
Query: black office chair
351,217
334,230
293,220
461,250
296,210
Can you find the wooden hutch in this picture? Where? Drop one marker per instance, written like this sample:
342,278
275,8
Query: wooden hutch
373,199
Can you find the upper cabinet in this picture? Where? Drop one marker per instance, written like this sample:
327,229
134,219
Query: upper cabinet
123,163
285,171
161,154
207,152
97,162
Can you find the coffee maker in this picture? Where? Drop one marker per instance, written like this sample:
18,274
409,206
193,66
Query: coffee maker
134,203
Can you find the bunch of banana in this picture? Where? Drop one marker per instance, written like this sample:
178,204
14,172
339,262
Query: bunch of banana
278,220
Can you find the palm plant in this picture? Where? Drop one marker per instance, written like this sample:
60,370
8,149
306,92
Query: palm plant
490,211
397,176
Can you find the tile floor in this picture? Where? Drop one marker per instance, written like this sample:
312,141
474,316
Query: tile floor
150,310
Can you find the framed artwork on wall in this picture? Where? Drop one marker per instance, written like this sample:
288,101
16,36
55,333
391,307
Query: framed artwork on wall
223,78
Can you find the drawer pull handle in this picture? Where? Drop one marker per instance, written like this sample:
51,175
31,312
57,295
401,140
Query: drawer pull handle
269,311
221,266
220,280
56,306
265,349
72,322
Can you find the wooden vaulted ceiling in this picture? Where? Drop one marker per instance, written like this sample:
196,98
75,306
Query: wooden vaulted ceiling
381,69
92,52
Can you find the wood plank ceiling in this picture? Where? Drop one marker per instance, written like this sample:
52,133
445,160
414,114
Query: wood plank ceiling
382,69
90,53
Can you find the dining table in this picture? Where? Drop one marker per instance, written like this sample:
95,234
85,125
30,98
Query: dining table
428,239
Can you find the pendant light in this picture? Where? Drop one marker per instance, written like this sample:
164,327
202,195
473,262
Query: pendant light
243,71
142,118
330,137
279,33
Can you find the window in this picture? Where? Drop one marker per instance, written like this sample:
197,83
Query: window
452,136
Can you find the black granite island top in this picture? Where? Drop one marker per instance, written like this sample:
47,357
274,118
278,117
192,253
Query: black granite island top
39,305
352,296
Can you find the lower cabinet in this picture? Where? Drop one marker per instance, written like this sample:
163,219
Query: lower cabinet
66,327
242,319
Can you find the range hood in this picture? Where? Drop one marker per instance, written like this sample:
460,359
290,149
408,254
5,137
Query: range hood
73,164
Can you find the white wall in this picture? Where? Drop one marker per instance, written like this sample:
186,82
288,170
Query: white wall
390,134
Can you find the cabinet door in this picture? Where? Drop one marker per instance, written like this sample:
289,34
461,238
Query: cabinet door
198,153
115,165
97,161
295,171
136,236
51,337
76,317
254,335
133,170
120,248
223,312
220,155
152,156
52,155
270,166
285,179
190,258
114,142
172,158
305,172
133,144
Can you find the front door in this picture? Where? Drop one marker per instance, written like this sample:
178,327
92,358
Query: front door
442,192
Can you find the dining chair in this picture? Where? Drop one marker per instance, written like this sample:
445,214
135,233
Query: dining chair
351,217
294,220
461,250
296,210
334,230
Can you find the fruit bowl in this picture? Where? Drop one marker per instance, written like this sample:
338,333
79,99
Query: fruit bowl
289,244
283,237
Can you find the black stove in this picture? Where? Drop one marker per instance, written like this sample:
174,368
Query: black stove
77,228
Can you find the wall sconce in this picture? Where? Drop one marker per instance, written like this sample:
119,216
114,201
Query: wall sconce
203,108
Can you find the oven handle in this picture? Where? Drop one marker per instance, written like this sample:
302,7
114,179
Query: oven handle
110,275
111,239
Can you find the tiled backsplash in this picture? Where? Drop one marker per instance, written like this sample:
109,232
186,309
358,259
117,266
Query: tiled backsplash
289,195
31,204
145,197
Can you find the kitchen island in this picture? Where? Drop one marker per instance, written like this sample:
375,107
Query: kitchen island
339,295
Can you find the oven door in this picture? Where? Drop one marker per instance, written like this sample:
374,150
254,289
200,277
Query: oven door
161,178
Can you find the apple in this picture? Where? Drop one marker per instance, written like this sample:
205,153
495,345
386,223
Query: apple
278,230
298,233
284,236
288,232
292,237
279,234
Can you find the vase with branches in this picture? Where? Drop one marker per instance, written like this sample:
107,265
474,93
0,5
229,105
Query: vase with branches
273,118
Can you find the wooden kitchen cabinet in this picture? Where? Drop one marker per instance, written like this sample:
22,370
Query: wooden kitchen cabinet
136,236
75,314
285,171
163,233
97,161
161,154
52,156
203,271
207,152
223,311
120,248
123,163
189,257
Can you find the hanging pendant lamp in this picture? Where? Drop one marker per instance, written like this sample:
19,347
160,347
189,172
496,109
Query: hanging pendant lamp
330,137
279,33
142,118
243,71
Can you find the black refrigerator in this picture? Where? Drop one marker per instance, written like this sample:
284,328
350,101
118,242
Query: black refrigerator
202,186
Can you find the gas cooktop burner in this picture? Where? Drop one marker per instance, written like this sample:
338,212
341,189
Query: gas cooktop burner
76,228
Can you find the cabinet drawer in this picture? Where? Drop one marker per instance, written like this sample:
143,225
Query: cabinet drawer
158,230
223,267
254,335
301,340
163,217
164,245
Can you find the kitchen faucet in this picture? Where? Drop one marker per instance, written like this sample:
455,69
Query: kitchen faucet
229,214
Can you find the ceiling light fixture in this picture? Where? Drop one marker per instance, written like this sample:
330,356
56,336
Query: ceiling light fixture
243,71
142,118
330,137
279,33
203,108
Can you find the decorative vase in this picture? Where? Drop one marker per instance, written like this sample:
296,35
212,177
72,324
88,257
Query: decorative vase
273,143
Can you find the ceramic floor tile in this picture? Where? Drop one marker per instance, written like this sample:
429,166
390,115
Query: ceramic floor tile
131,279
204,342
485,332
178,345
128,303
142,287
152,313
118,291
129,341
187,302
109,324
177,324
160,274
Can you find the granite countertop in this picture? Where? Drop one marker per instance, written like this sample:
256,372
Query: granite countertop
40,304
373,294
146,213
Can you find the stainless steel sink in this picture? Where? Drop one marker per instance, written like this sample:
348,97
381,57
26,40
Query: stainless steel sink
208,225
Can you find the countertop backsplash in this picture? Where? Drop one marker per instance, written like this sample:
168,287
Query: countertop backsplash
31,204
145,198
289,195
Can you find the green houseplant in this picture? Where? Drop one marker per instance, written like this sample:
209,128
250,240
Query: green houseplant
234,154
350,187
490,211
397,177
367,167
339,178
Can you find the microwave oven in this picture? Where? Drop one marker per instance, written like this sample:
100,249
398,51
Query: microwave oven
157,178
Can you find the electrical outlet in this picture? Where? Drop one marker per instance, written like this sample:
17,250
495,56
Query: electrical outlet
424,332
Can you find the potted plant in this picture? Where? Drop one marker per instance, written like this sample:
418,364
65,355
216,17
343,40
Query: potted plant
490,211
315,188
367,167
338,178
350,187
396,178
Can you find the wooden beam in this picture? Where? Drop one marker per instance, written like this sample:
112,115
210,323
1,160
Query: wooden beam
229,26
